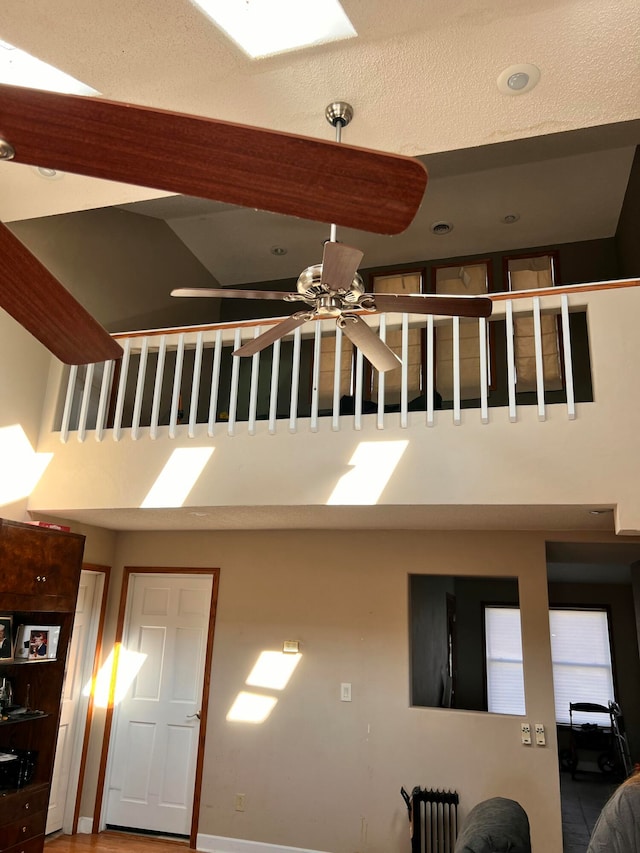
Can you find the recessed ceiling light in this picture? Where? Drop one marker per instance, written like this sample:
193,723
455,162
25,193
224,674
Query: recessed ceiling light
278,251
19,68
518,79
48,174
599,511
440,228
510,218
262,28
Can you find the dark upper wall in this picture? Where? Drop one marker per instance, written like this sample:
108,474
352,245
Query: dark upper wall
627,236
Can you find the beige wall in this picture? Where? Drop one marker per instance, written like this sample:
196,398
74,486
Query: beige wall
322,774
590,460
22,390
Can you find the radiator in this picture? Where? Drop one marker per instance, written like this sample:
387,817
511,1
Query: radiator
433,820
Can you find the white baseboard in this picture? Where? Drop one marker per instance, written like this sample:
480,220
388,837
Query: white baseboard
218,844
85,825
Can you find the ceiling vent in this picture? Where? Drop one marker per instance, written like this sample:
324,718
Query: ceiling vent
441,228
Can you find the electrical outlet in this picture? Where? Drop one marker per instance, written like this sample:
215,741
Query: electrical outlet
525,733
540,736
239,802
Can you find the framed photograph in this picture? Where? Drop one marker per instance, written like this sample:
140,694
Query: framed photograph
37,642
6,637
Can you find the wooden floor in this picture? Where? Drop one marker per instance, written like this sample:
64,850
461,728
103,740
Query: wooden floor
112,842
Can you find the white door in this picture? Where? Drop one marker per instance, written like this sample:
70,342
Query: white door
73,708
154,747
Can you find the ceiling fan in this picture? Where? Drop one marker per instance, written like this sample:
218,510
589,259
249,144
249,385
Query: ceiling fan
219,160
334,288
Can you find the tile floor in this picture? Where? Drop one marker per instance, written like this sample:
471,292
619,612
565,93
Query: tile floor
582,800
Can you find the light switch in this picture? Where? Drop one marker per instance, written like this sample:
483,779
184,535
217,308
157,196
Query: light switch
345,692
525,733
540,736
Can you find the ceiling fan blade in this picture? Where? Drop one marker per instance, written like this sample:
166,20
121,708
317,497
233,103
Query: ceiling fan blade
339,265
38,301
225,293
453,306
378,353
273,334
238,164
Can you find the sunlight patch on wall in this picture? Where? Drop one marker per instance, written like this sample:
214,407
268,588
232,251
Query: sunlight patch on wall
373,464
273,670
115,677
20,466
251,708
178,477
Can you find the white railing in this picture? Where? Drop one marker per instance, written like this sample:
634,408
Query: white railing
187,376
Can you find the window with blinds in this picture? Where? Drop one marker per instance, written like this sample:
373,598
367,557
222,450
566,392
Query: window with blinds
580,654
505,674
467,280
400,283
530,274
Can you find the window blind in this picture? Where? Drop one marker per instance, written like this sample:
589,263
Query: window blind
581,657
505,677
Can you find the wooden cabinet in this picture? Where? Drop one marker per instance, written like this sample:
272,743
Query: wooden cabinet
39,577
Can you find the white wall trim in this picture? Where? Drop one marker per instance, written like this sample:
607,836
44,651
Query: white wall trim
85,825
218,844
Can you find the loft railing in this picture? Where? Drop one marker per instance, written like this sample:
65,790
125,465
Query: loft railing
172,379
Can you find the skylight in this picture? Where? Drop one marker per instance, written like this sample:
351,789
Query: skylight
21,69
265,27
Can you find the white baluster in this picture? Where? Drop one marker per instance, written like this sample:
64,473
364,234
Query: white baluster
295,380
568,362
215,384
357,419
511,363
483,330
177,382
68,403
253,387
537,335
195,385
337,376
84,405
457,418
430,370
315,376
404,379
381,376
235,382
122,387
137,405
157,388
105,394
273,397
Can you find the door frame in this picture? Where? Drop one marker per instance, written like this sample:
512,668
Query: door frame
129,572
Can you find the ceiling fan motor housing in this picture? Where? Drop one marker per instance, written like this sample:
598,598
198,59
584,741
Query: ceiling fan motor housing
311,286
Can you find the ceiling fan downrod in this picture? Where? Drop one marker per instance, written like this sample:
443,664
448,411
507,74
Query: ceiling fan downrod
338,114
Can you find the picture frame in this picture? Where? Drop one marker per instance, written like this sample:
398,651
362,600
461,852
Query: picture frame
36,643
6,637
